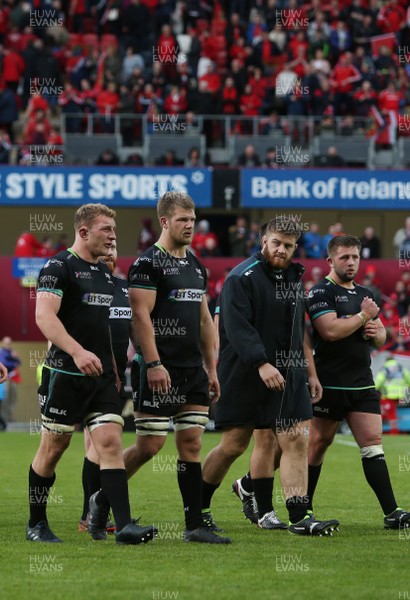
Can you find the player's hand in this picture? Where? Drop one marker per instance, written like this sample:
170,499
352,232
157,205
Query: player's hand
315,389
213,386
271,377
370,330
3,373
369,307
88,363
159,381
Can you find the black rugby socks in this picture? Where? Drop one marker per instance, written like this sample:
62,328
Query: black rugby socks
114,484
377,476
39,489
297,508
190,485
313,478
208,490
91,480
263,489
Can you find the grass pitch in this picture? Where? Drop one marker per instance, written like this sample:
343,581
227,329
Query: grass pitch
362,561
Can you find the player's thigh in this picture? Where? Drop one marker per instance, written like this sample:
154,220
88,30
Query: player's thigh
235,440
366,428
265,440
322,431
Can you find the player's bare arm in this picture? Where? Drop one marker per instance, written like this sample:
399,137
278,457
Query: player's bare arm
142,303
332,328
47,308
208,349
315,388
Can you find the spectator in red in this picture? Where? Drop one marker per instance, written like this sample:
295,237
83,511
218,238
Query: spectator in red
259,83
391,17
212,80
343,78
229,97
238,51
13,69
27,245
249,105
267,49
201,235
175,103
298,46
35,104
4,22
390,99
166,52
37,128
107,104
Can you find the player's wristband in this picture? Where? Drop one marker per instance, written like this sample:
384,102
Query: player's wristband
362,318
153,364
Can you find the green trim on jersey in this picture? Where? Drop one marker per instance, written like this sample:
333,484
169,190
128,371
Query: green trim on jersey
71,251
331,280
66,372
249,267
323,312
143,287
333,387
53,291
158,245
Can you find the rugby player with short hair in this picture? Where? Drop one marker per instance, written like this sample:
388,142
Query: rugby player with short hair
174,372
74,294
121,331
346,327
258,325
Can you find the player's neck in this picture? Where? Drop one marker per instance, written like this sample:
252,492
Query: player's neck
175,250
346,284
82,252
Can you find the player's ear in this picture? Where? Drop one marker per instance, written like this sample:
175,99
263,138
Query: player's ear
264,240
329,261
163,222
83,232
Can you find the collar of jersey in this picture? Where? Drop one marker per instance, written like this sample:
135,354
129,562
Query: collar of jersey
71,251
158,245
334,282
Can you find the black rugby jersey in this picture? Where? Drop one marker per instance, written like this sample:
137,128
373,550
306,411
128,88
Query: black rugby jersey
87,291
120,317
344,364
180,284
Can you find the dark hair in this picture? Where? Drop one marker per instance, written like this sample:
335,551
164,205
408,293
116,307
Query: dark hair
343,241
263,229
285,224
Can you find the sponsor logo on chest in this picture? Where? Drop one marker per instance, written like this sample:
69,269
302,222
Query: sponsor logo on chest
186,295
93,299
120,312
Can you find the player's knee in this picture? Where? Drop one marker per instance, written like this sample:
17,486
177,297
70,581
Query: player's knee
56,449
191,445
235,447
149,446
372,451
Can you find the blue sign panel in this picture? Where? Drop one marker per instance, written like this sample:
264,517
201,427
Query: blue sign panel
63,186
334,188
28,267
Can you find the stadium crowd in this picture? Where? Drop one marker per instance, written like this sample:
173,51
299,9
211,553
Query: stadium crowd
268,58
